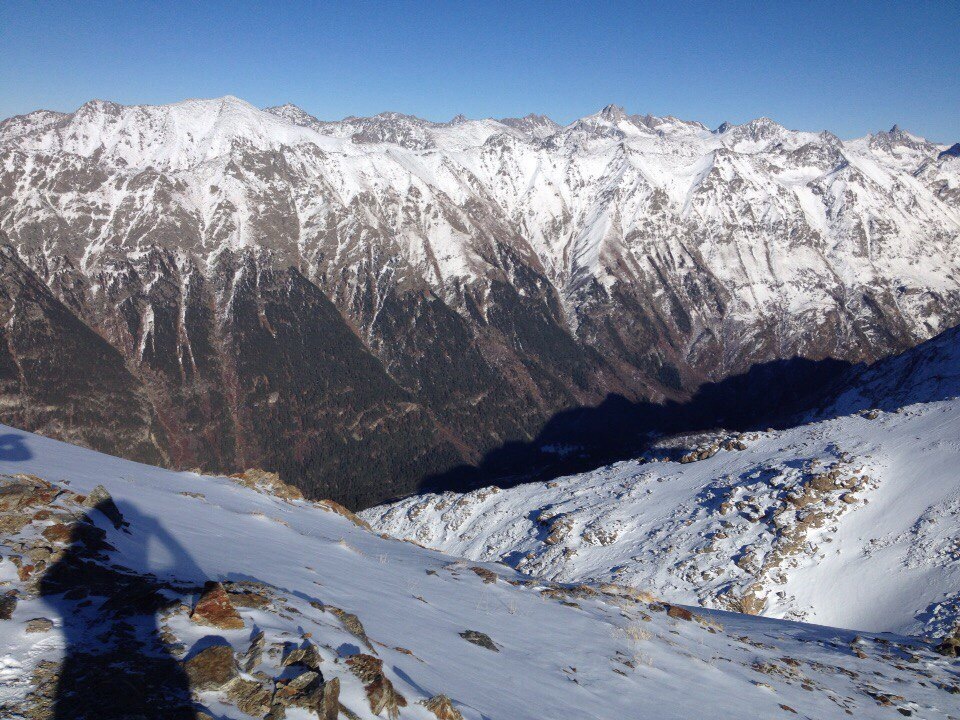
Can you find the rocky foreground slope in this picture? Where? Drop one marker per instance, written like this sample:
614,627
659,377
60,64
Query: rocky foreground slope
365,304
129,591
850,521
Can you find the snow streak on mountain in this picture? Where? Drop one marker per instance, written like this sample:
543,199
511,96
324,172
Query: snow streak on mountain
369,303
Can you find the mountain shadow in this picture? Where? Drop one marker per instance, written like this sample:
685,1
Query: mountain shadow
769,394
115,662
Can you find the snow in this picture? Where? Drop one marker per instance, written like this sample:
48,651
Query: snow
555,659
606,187
883,555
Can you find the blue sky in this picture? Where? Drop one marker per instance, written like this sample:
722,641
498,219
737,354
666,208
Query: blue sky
849,67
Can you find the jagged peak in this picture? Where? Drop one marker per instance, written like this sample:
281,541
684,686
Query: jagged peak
613,113
293,113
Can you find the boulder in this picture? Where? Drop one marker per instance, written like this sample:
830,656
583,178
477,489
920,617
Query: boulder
442,708
380,691
215,609
352,623
251,697
306,656
212,668
329,706
8,603
254,653
39,625
100,499
478,638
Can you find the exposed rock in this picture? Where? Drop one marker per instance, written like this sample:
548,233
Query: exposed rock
100,499
306,655
329,706
627,591
304,690
950,645
488,575
252,697
269,483
442,708
675,611
254,653
352,623
380,691
39,625
247,595
8,603
215,609
478,638
211,668
336,507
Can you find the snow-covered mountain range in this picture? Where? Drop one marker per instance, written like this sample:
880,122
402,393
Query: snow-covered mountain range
252,273
130,591
849,521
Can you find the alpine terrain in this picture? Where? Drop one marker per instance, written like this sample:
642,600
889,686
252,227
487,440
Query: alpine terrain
375,305
850,519
123,595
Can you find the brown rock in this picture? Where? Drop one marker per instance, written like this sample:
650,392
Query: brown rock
675,611
442,708
306,655
211,668
39,625
252,697
341,510
214,608
58,533
302,691
488,575
268,482
380,691
352,623
329,706
8,603
24,491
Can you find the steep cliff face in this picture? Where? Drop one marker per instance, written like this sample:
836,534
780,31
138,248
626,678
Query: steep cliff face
365,303
62,379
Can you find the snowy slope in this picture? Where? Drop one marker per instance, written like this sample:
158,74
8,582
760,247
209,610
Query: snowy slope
852,521
561,652
928,372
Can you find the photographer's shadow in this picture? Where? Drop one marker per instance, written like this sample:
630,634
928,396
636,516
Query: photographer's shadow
116,664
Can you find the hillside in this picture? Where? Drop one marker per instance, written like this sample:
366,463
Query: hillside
109,579
851,521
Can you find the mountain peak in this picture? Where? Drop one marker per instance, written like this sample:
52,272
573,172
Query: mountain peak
613,113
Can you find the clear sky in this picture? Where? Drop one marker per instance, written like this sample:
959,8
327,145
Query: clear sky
849,67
